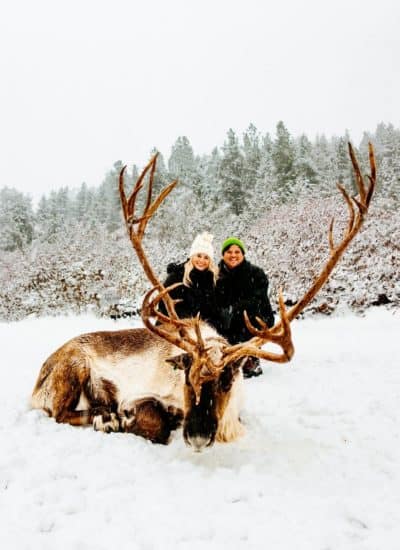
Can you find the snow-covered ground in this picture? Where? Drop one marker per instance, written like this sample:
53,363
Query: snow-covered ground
318,469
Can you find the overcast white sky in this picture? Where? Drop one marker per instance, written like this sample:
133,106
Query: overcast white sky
87,82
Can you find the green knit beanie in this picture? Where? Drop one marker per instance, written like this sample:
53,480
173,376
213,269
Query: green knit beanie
233,240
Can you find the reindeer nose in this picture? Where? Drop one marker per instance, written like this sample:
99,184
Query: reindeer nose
198,442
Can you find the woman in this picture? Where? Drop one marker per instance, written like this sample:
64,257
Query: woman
241,286
198,275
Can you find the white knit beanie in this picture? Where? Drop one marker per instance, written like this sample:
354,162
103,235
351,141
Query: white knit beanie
202,244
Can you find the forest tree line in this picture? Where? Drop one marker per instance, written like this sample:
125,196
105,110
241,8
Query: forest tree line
71,250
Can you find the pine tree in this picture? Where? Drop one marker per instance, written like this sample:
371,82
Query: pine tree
262,195
252,159
231,174
109,206
182,164
283,156
304,168
207,192
343,168
84,205
53,215
324,161
387,148
16,220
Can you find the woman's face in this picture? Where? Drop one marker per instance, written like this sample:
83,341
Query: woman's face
233,256
201,261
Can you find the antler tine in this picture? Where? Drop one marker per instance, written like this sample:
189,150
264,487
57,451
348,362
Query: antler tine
151,181
283,338
151,305
350,206
357,171
151,310
124,201
145,218
157,201
150,207
265,334
148,311
142,220
252,347
372,177
199,337
365,192
129,204
139,184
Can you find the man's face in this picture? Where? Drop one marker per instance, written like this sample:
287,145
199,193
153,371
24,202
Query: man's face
233,256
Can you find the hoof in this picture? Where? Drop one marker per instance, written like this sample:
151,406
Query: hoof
106,423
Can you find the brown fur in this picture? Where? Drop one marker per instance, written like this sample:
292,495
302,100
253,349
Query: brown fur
97,379
224,390
151,420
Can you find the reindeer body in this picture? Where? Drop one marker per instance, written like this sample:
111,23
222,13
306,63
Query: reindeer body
123,381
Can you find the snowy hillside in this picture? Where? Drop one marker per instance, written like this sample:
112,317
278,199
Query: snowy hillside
318,468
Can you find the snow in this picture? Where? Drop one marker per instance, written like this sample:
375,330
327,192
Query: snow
318,468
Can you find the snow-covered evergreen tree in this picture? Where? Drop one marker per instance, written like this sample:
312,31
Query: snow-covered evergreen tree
16,220
183,165
303,167
283,156
109,206
387,145
230,177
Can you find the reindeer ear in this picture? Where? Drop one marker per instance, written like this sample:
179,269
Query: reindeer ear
228,374
236,365
181,361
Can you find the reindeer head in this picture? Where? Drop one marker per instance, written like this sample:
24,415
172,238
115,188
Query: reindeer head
207,383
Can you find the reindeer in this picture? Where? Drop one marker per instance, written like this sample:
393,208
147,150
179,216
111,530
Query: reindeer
147,381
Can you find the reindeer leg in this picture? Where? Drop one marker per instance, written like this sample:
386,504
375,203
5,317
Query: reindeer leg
101,394
101,409
149,418
76,418
102,418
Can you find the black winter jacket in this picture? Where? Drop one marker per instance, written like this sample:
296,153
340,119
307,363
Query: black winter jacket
198,297
244,287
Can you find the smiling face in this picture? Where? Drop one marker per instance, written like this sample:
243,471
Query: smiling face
201,261
233,256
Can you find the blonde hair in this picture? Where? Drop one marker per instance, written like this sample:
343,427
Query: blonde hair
189,267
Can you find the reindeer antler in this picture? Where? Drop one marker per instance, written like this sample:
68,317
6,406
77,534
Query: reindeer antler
136,227
280,333
358,208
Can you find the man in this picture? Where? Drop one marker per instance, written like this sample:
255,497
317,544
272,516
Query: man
241,286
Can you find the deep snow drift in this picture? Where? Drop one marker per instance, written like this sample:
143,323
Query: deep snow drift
318,468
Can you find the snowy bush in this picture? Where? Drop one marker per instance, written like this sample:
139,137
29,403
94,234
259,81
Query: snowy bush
98,271
292,245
